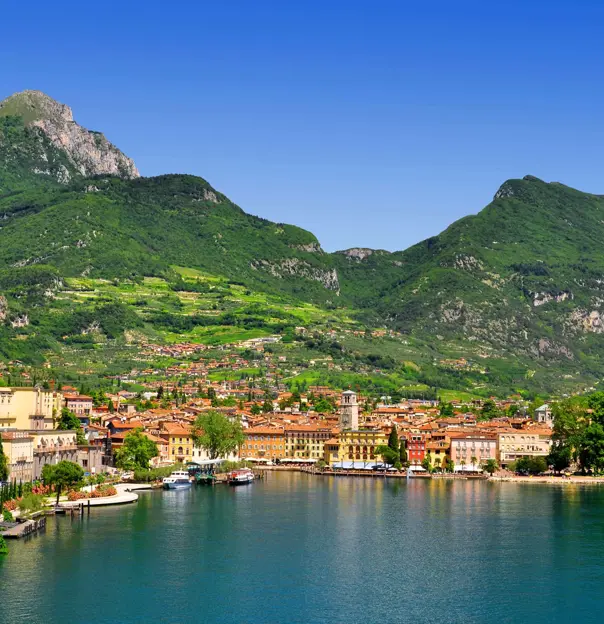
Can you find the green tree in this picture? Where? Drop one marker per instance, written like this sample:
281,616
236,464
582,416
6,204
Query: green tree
62,475
267,406
256,409
217,435
591,453
402,452
70,422
388,455
426,465
490,466
3,463
489,410
445,409
393,440
136,452
560,456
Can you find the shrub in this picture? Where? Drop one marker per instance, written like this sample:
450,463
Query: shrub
31,503
10,505
7,516
72,495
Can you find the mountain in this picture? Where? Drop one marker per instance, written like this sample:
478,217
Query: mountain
49,142
515,291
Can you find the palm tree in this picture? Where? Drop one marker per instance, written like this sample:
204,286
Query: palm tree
463,463
474,461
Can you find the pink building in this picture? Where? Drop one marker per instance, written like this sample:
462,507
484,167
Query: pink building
469,451
79,404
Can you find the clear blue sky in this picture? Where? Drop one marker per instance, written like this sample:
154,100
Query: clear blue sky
370,123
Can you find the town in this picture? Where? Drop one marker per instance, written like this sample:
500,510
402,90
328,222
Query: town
288,429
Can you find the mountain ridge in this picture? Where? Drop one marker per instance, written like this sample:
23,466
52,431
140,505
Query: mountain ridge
518,285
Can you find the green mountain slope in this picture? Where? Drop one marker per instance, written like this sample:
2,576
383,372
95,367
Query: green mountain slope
517,288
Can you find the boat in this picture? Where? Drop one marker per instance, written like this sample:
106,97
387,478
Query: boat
240,477
205,479
178,480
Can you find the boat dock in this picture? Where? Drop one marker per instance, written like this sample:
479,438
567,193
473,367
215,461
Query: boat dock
16,530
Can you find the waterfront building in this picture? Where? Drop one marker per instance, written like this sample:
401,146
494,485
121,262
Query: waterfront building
306,441
29,408
416,448
438,448
514,444
470,450
19,450
180,442
352,448
349,410
264,442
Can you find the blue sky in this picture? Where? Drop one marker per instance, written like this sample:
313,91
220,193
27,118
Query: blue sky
371,124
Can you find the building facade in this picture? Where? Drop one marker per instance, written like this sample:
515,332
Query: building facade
352,448
51,447
514,444
19,450
180,442
264,443
306,441
29,408
470,451
349,411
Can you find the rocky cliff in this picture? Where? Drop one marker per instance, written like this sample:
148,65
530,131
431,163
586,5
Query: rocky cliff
90,153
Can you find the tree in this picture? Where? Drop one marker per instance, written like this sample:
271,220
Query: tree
560,456
160,392
62,475
403,452
445,409
489,410
136,452
256,409
267,406
218,435
591,453
389,456
3,463
393,440
474,461
426,464
532,465
490,466
70,422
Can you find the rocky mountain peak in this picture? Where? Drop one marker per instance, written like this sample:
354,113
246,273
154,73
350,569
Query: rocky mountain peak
89,152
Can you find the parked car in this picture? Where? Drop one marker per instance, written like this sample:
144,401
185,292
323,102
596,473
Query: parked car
127,476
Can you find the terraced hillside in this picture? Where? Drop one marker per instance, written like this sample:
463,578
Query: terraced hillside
94,257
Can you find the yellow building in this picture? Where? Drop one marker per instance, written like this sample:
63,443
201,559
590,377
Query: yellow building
306,441
438,447
29,408
180,442
354,447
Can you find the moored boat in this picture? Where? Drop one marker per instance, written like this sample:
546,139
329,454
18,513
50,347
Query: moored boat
241,477
178,480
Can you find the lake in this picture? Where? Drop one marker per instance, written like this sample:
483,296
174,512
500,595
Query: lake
301,549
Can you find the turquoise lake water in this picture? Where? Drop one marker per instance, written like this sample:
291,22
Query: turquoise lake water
302,549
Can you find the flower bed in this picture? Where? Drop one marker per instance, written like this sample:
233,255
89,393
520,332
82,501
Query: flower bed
101,491
11,505
72,495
